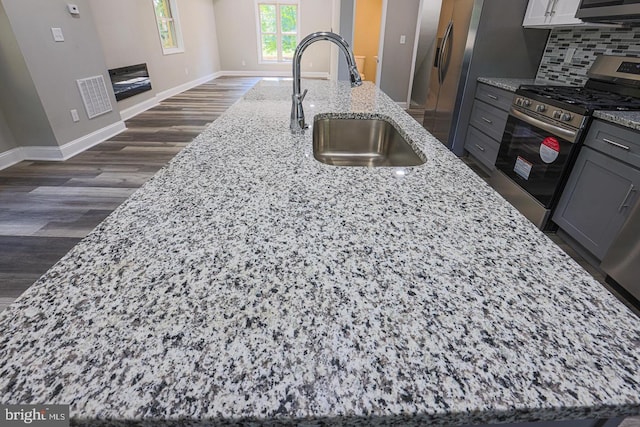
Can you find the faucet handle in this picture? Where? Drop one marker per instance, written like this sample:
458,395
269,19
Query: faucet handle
303,95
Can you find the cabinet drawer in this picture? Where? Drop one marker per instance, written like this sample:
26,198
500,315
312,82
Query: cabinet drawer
482,147
616,141
488,119
497,97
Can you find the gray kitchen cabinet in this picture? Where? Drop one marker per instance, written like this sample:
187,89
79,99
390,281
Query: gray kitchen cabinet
486,124
602,188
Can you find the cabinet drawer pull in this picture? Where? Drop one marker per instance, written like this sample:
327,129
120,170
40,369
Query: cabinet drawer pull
487,120
495,98
480,147
626,198
616,144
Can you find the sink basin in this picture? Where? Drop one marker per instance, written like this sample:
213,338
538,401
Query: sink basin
361,142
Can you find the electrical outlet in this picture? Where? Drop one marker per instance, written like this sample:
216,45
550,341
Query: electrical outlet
310,64
57,34
75,116
244,63
186,71
403,39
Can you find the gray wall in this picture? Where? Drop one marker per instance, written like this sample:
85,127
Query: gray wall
7,142
128,35
55,67
235,22
347,8
402,18
24,119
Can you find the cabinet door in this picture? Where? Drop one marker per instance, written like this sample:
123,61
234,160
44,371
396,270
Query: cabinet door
563,12
597,199
538,12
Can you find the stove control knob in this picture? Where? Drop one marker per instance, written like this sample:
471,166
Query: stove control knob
540,108
557,114
518,101
566,117
527,102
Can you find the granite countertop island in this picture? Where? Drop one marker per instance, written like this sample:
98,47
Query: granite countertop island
248,282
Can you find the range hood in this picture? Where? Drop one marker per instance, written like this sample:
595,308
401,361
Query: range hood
609,11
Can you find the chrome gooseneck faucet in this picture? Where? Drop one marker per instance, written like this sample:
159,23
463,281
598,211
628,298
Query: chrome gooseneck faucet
297,113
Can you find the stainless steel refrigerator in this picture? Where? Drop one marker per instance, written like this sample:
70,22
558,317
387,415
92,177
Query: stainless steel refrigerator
476,38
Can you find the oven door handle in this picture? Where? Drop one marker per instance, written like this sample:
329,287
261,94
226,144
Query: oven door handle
569,135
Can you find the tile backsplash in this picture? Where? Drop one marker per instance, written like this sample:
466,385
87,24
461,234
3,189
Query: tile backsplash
588,43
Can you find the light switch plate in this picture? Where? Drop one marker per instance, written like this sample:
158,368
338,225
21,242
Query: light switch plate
57,34
568,57
74,116
403,39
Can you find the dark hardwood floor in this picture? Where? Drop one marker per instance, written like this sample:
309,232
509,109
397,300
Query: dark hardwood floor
48,207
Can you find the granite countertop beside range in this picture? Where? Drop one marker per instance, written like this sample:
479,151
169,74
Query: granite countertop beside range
510,84
247,282
630,119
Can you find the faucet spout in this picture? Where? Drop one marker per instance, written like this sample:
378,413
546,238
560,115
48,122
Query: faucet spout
297,113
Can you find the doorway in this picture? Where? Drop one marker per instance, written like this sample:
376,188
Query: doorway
366,37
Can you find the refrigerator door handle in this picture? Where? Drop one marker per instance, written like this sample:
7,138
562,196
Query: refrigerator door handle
443,48
446,57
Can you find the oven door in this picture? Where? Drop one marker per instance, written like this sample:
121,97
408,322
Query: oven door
537,156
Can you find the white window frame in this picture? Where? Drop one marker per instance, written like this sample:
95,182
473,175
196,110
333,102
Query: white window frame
276,3
175,18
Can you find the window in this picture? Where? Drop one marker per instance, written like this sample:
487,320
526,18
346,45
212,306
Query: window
277,30
168,26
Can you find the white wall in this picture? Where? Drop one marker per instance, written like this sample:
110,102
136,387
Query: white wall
55,67
128,35
397,58
238,39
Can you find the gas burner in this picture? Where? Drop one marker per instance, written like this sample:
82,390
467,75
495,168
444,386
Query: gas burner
583,100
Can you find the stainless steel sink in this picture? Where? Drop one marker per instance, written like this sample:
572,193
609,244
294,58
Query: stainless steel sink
361,142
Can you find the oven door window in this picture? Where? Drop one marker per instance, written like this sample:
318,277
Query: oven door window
535,159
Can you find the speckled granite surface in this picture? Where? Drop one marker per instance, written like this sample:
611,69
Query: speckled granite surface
247,282
505,83
630,119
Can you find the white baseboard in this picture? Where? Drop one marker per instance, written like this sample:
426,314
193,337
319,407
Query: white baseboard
141,107
161,96
11,157
79,145
64,152
305,74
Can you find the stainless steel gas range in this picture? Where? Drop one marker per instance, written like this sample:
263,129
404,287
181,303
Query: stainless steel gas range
545,130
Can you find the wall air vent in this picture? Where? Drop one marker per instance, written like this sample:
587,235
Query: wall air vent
95,96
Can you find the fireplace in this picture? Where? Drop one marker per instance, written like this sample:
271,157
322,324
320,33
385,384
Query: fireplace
130,81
